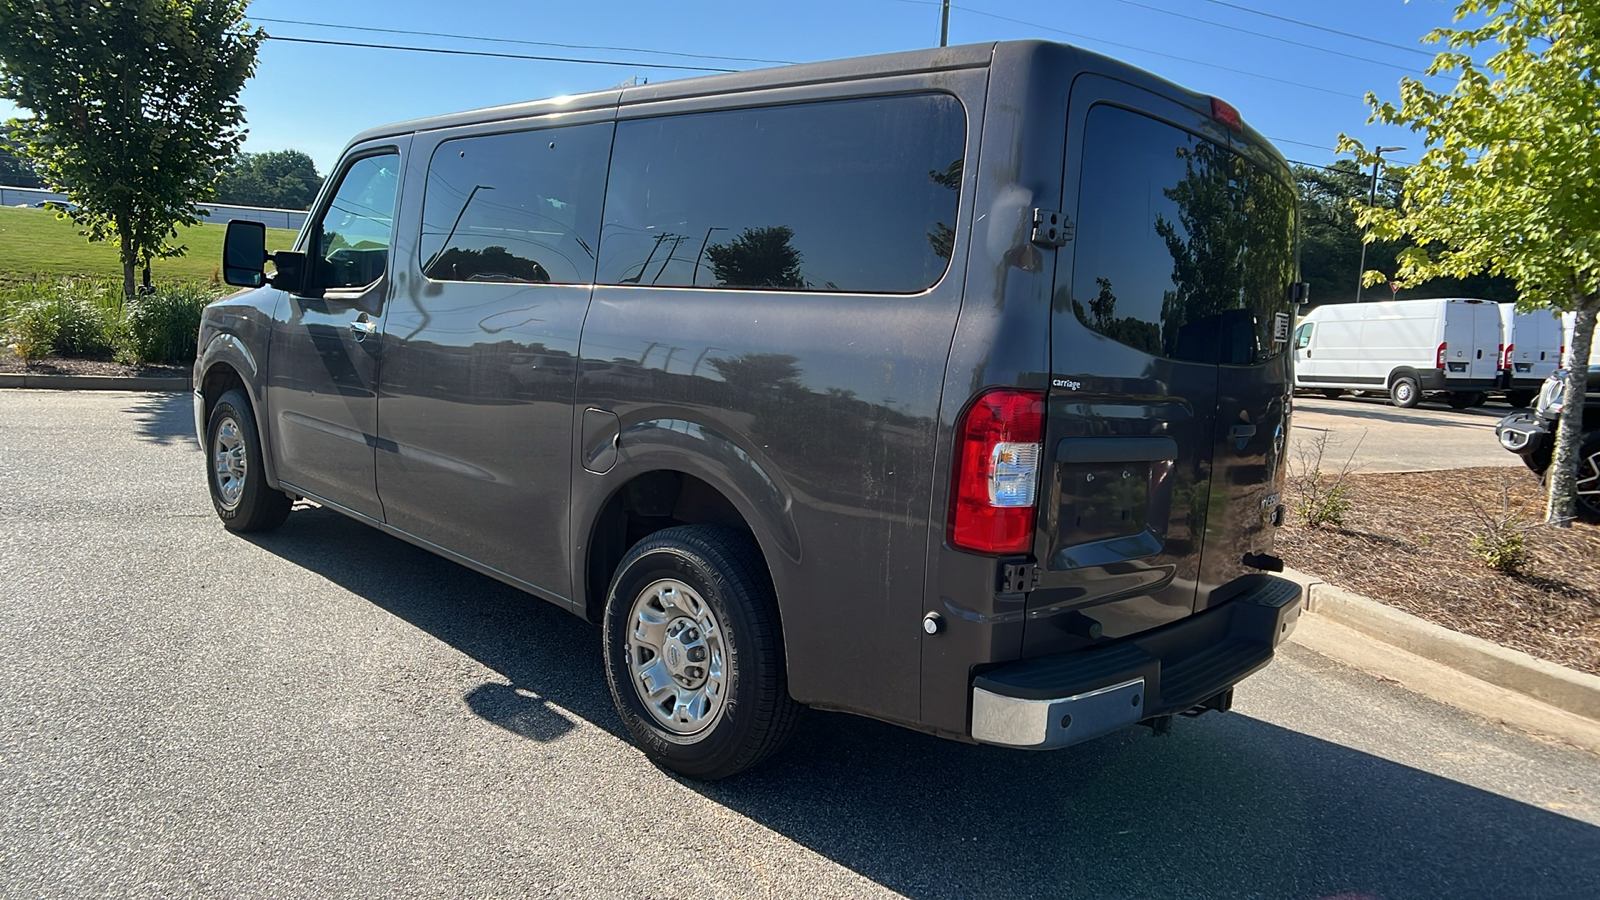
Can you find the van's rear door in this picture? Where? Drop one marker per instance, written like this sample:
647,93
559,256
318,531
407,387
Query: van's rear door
1169,337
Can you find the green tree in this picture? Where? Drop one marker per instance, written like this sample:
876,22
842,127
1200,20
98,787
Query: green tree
282,179
1330,239
1508,179
133,108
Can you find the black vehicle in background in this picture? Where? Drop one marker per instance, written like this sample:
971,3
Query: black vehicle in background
948,388
1531,434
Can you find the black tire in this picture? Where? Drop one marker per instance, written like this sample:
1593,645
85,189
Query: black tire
1404,392
1332,393
724,575
1587,505
234,470
1465,399
1520,399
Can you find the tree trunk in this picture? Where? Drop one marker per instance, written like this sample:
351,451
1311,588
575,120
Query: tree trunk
128,261
1563,471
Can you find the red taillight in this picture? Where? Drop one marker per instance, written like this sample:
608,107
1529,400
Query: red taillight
999,441
1438,359
1505,361
1224,112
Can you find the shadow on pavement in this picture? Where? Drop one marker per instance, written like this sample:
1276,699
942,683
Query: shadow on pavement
1226,806
164,417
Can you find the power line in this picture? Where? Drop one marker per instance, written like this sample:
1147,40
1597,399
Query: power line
1303,24
486,53
497,40
1271,37
1085,37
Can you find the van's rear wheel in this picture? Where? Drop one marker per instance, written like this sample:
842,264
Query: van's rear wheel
1332,393
1404,392
1520,399
1465,399
694,658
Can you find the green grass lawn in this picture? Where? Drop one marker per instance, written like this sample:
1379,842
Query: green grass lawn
34,242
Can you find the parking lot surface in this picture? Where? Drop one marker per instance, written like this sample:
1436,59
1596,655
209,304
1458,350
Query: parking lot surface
325,711
1375,436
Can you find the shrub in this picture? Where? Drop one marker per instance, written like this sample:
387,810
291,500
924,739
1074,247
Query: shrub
71,317
163,325
1501,538
1320,497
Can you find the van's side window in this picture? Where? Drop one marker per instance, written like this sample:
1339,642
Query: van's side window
522,207
353,236
856,196
1184,248
1302,335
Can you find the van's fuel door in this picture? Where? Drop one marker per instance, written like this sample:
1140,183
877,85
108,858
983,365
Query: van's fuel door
601,434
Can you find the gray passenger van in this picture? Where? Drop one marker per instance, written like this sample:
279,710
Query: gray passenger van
948,388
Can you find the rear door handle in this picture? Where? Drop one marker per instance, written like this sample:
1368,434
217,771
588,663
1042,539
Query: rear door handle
363,327
1242,431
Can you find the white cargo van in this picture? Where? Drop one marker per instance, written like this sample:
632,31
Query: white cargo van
1567,322
1531,346
1406,347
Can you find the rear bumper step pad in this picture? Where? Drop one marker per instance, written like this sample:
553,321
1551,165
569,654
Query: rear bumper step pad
1055,701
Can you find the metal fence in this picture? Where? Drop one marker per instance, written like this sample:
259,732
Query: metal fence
291,219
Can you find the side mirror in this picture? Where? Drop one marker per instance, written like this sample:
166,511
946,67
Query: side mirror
244,254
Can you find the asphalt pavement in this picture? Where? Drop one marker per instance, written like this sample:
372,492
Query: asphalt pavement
325,711
1373,435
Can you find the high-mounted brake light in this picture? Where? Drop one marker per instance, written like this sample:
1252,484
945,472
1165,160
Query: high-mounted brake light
1438,359
1224,112
999,442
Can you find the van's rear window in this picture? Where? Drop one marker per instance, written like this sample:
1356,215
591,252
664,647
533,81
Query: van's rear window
854,196
1184,248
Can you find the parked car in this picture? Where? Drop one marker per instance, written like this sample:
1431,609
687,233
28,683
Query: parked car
1531,345
800,399
1407,348
1531,435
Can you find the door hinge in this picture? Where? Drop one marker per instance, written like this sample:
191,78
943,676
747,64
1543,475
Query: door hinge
1018,578
1050,228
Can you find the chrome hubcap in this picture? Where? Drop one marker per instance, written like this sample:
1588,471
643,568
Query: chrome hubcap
677,657
228,462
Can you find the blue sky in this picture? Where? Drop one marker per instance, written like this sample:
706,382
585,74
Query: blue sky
314,97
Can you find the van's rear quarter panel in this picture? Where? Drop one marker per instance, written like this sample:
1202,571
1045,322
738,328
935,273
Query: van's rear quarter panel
1003,340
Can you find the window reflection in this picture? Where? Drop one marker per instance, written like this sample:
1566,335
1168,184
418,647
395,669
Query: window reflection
832,196
1185,249
353,236
521,207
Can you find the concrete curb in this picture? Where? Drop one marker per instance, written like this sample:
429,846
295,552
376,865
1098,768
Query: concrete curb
93,382
1560,687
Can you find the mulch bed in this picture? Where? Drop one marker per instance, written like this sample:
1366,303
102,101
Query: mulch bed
10,364
1406,542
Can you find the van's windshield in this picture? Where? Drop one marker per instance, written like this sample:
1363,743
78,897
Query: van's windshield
1185,249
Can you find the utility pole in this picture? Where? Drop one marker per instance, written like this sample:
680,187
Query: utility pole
944,24
1372,200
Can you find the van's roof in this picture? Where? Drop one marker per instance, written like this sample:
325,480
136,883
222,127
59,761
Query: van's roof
967,56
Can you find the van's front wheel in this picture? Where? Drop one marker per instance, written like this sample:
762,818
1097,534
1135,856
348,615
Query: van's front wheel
239,490
1404,392
694,658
